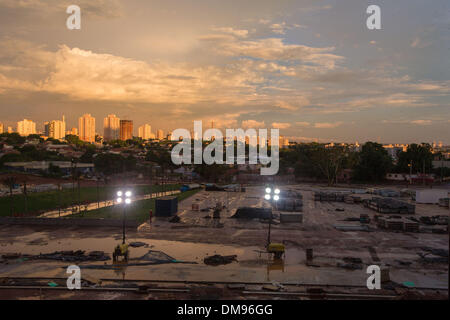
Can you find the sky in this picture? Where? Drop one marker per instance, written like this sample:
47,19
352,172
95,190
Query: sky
308,67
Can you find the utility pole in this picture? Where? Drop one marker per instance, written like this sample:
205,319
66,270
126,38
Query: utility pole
423,173
98,193
410,172
26,197
59,200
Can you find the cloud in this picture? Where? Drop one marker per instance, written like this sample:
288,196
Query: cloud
272,49
281,125
98,8
327,125
232,31
253,124
419,122
422,122
302,124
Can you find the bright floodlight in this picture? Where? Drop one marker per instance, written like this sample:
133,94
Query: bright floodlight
267,196
128,194
127,200
119,193
119,200
277,191
268,190
276,198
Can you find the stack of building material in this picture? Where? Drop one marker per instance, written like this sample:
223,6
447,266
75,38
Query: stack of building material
291,217
364,218
411,226
330,196
290,205
292,194
444,202
166,207
349,199
394,224
387,193
387,205
381,223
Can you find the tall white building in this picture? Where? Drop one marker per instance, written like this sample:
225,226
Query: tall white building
111,127
145,132
86,128
56,129
160,134
26,127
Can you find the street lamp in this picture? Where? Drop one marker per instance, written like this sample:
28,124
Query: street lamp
127,201
275,198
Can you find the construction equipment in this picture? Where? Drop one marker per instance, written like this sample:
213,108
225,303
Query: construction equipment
277,249
121,250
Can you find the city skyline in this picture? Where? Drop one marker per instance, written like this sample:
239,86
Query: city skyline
310,68
113,128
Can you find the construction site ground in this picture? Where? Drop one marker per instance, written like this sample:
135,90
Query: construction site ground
254,274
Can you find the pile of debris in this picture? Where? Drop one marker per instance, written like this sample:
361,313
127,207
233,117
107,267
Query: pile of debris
217,259
434,255
71,256
351,263
252,213
388,205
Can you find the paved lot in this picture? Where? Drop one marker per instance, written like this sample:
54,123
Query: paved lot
196,237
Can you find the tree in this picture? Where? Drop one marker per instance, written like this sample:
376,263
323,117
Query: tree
210,172
74,140
330,161
419,155
88,156
13,139
374,163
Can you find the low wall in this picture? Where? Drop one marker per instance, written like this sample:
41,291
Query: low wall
79,222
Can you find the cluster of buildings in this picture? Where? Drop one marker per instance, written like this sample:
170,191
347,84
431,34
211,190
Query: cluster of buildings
113,129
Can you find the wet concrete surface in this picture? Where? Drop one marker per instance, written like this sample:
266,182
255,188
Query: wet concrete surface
196,237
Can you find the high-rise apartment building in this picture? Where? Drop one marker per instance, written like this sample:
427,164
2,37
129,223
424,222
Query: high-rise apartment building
111,128
55,129
73,132
145,132
160,134
86,128
26,127
126,130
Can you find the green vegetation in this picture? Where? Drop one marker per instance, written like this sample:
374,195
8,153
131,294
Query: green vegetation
419,155
374,163
108,164
138,210
46,201
31,153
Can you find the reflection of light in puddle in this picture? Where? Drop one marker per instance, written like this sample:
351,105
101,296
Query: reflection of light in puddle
244,270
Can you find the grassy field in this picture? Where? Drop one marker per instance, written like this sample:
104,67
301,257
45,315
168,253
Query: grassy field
51,200
138,210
